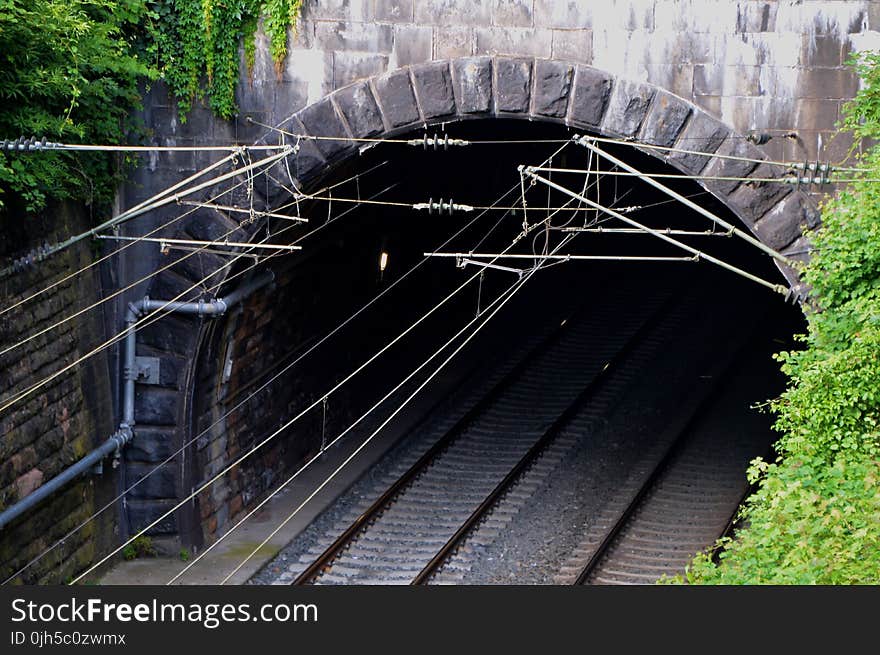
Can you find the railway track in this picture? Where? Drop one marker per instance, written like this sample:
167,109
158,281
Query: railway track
679,499
499,450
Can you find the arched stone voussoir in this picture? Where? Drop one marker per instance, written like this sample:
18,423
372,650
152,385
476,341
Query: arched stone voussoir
537,89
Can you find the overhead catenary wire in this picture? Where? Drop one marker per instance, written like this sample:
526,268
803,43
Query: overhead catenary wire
313,347
171,457
584,141
778,288
118,292
143,322
163,199
274,434
270,437
617,141
491,313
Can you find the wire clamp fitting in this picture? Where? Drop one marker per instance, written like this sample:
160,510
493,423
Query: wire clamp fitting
436,142
442,207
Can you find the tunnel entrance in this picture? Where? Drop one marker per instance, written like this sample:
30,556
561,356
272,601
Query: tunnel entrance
689,331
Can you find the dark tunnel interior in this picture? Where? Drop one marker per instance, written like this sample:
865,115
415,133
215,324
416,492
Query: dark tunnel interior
715,315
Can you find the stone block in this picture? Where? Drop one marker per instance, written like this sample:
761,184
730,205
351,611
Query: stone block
357,105
512,13
839,83
396,98
569,15
473,84
155,406
151,484
142,513
349,67
412,44
754,199
718,167
355,11
627,108
513,82
592,90
786,221
304,165
516,41
457,12
665,119
433,86
451,42
320,119
552,86
362,37
702,134
394,11
572,45
150,444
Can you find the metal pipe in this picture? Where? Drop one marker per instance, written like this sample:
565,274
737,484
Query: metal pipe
114,443
125,433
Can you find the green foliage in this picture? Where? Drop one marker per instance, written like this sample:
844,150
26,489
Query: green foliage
140,547
184,555
197,45
811,522
68,71
815,518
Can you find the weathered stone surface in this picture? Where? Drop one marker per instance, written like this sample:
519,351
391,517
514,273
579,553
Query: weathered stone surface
627,108
150,444
142,513
413,44
357,105
394,11
305,165
665,120
397,99
160,483
719,167
320,119
702,134
552,87
754,199
513,80
433,85
473,84
785,222
174,333
592,89
155,406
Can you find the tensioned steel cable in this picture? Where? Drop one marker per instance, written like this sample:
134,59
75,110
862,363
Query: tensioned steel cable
510,293
118,250
266,440
259,445
316,345
143,322
626,142
142,239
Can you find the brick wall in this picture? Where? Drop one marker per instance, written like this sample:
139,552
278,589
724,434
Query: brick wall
63,420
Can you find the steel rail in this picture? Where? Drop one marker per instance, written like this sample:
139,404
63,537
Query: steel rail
454,542
326,559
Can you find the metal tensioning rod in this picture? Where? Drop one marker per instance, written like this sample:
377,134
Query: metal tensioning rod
588,143
779,288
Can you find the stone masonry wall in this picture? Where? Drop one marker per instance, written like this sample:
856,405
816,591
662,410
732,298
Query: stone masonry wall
61,422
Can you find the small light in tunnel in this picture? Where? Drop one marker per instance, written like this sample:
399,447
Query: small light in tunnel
383,261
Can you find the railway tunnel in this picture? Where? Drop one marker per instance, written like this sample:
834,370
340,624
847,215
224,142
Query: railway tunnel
619,361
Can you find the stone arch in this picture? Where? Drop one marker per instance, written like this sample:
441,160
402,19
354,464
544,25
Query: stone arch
421,95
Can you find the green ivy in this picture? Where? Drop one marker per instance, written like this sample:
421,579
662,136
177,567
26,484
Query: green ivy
69,71
816,515
197,43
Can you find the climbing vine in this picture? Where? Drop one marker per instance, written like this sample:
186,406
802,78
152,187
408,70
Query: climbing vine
197,45
815,518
